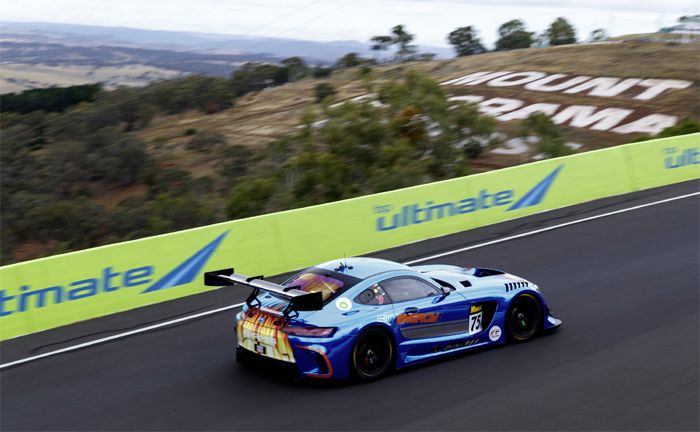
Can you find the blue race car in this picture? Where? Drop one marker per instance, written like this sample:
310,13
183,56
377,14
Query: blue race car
361,317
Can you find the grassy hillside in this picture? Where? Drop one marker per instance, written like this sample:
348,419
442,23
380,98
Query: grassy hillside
259,118
116,166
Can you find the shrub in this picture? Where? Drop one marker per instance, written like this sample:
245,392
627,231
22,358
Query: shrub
551,143
321,72
323,91
249,197
686,126
365,71
205,141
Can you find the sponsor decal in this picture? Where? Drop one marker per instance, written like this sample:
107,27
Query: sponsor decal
379,293
415,214
476,316
495,333
680,158
385,318
344,304
456,345
108,280
417,318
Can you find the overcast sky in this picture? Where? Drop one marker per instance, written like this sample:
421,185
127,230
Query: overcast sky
327,20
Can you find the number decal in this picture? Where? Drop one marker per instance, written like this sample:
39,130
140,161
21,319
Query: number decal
475,322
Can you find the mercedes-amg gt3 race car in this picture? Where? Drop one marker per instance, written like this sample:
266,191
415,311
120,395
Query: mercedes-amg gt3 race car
361,317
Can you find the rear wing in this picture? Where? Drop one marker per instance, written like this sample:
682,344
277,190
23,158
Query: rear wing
298,300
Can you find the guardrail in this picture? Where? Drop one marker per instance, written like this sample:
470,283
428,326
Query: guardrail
50,292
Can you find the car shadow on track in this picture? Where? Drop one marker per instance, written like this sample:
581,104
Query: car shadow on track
276,373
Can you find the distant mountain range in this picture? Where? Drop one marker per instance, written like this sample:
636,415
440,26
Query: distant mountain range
34,55
201,43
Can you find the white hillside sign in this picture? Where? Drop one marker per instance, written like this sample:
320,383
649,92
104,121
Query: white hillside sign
584,116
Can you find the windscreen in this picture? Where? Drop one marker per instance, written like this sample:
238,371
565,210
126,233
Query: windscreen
329,283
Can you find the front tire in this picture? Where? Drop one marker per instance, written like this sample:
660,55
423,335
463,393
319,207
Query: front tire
372,355
524,318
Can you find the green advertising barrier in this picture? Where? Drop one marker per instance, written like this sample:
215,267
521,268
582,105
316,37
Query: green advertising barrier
50,292
664,161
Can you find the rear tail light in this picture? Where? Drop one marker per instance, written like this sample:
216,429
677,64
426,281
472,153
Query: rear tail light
309,331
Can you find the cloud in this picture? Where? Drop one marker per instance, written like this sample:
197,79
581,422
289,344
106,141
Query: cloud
329,20
654,6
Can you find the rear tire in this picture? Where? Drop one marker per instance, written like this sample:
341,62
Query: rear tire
524,318
372,355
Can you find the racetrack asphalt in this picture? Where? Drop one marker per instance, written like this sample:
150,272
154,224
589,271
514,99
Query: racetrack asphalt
626,357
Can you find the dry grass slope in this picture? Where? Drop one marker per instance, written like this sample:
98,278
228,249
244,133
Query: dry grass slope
17,77
261,117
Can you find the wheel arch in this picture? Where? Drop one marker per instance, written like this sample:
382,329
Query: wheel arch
375,326
540,300
530,292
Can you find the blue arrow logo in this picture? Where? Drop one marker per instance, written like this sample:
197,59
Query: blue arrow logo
537,193
189,269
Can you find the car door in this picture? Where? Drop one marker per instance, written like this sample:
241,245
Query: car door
423,311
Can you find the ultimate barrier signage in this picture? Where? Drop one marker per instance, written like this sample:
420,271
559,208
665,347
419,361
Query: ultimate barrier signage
50,292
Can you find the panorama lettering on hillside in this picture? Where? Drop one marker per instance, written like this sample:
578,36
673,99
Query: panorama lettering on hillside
580,116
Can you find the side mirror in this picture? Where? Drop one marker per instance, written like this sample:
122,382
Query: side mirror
446,291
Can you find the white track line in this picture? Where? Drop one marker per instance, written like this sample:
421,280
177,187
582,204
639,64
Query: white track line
427,258
120,335
553,227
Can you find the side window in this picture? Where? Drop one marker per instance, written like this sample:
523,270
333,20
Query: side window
404,289
373,295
